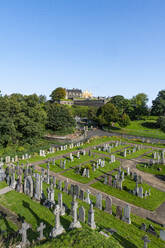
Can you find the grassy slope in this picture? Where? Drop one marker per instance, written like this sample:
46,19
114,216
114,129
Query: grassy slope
69,164
109,167
151,203
133,155
127,235
152,169
93,142
136,128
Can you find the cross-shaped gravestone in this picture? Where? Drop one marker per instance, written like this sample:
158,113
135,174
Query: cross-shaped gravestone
75,223
40,229
146,241
23,231
58,228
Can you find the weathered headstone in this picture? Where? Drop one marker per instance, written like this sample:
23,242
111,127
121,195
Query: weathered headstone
82,214
60,203
23,231
91,218
119,212
58,228
40,229
75,223
108,205
146,241
99,201
127,214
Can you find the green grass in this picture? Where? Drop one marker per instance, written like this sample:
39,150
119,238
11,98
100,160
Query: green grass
143,128
109,167
3,184
69,164
151,203
133,155
127,236
153,169
114,149
92,142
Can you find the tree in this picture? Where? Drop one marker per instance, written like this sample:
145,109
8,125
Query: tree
22,119
161,123
107,114
57,94
119,102
158,105
60,118
124,120
139,104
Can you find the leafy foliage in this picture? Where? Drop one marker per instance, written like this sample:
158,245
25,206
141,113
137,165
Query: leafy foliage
161,123
158,105
58,93
22,119
60,117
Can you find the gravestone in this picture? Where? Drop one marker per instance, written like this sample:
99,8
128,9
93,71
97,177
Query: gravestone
140,193
60,203
66,186
23,231
40,229
108,205
81,196
82,214
119,212
162,235
105,179
76,190
110,180
88,200
87,173
28,186
60,185
146,241
91,217
75,223
127,213
54,181
58,228
38,187
99,201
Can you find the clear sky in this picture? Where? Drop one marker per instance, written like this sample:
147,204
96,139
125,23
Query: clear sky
109,47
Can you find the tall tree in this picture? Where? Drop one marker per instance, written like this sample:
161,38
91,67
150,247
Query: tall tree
107,114
58,94
158,105
60,118
139,104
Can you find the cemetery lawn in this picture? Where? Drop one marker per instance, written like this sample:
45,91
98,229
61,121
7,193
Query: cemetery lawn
141,128
126,236
152,169
93,142
114,149
69,164
3,184
93,174
152,202
133,155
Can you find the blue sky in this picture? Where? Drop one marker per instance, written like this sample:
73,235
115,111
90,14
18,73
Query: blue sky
109,47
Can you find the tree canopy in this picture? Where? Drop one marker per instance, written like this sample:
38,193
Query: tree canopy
60,118
58,94
158,105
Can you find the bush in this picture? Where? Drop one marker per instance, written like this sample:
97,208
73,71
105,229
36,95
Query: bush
161,123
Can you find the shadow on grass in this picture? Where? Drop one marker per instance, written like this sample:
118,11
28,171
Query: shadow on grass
147,124
9,235
35,234
124,242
